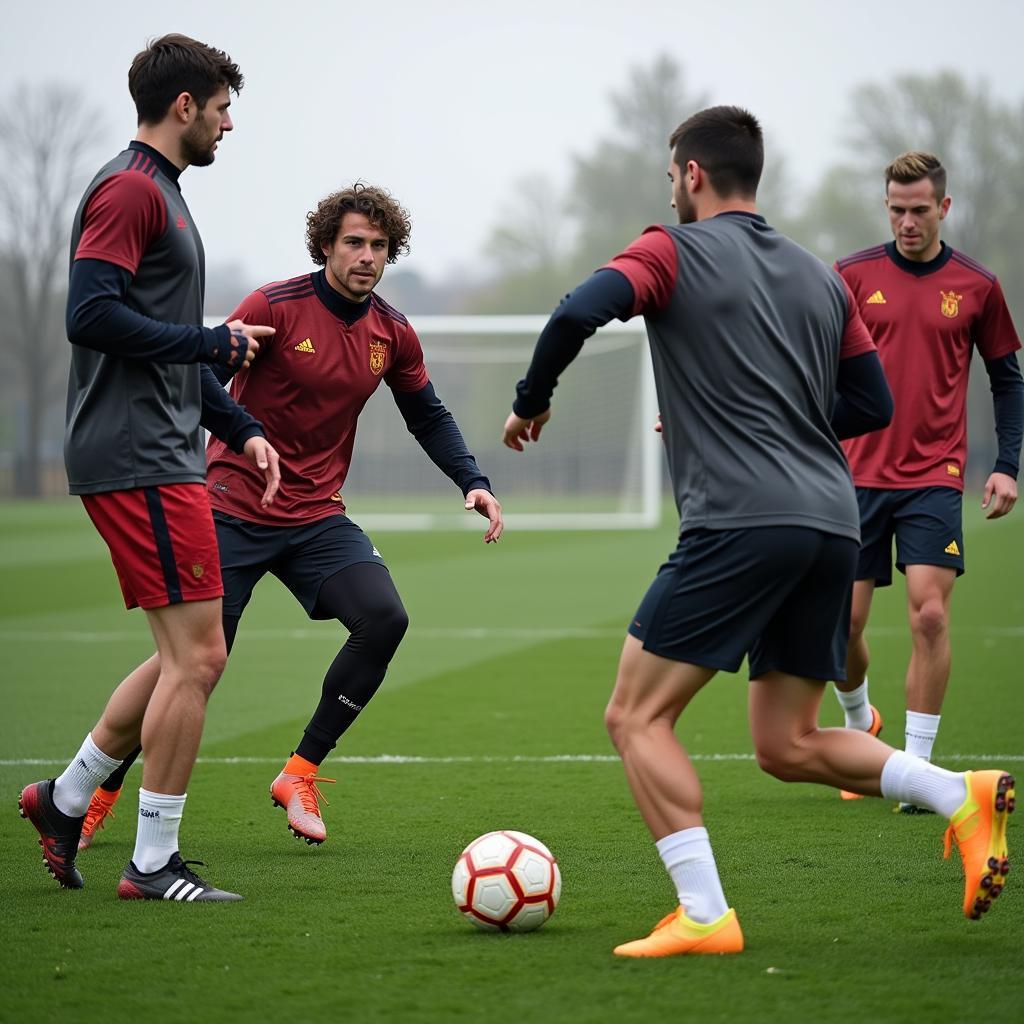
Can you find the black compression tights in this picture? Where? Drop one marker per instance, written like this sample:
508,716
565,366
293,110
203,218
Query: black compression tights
364,599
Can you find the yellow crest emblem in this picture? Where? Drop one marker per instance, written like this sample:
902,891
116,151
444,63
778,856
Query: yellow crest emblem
950,303
197,569
378,353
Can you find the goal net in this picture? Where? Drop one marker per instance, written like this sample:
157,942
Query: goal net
598,464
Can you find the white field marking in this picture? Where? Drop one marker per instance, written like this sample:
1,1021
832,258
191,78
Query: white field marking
387,759
426,633
436,633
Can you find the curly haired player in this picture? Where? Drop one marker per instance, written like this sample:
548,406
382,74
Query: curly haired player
335,341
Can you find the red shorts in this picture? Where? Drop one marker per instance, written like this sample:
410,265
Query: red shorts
161,541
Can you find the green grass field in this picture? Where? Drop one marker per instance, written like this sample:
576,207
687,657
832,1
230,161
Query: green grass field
849,911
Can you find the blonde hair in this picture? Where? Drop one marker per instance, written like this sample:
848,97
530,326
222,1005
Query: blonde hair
913,166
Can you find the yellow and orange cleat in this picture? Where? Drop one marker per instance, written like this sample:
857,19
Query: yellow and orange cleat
300,797
675,935
101,807
873,730
979,828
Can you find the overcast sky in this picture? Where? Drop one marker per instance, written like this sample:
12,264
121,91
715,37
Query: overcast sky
448,104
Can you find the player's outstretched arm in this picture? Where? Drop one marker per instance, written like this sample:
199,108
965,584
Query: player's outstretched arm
604,296
437,433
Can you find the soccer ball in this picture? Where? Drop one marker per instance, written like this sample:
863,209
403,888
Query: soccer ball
506,881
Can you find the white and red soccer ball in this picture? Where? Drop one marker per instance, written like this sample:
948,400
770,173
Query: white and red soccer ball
506,881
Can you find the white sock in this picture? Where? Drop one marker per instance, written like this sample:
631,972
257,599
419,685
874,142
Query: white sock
688,859
920,733
911,780
157,837
74,787
855,705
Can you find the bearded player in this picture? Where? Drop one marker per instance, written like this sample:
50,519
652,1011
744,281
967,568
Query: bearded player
927,306
336,340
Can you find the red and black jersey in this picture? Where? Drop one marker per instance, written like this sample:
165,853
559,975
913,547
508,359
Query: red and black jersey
925,319
307,386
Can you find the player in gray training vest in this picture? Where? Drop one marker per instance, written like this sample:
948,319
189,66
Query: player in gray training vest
762,364
137,397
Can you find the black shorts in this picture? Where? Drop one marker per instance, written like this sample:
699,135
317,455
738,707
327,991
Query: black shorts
780,594
926,521
301,557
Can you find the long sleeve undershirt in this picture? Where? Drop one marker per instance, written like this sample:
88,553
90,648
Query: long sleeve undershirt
439,436
1008,406
99,318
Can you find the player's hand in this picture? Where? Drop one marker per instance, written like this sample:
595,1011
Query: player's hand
518,430
658,428
243,343
1000,495
265,458
487,505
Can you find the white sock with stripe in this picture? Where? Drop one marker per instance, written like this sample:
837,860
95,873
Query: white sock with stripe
74,787
157,837
688,859
920,734
856,707
912,780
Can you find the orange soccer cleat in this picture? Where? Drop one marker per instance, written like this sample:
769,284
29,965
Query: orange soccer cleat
300,797
675,935
979,828
101,807
873,730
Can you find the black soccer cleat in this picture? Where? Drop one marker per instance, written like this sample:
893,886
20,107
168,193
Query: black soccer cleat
173,882
58,833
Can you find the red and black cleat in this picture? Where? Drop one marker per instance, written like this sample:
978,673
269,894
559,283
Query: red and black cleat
58,833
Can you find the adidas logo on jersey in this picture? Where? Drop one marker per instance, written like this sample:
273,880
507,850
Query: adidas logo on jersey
304,346
952,548
876,299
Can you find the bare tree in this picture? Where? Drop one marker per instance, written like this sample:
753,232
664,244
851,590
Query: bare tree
46,134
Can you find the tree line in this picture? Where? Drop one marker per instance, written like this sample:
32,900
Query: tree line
547,238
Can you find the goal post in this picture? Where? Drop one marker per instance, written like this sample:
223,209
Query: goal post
598,464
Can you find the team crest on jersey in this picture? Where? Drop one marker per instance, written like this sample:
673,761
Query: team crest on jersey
950,303
197,570
378,353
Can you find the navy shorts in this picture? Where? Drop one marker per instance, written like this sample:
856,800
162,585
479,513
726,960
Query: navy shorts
926,521
301,557
780,594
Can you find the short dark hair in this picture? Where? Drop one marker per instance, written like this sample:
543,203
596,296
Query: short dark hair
375,204
174,64
727,143
915,165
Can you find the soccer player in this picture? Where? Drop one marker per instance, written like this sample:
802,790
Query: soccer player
335,341
927,307
133,450
761,362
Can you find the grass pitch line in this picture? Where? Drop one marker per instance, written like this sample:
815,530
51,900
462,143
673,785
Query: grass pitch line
436,633
387,759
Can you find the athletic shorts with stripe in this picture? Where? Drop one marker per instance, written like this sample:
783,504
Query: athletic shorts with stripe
927,523
161,541
779,595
